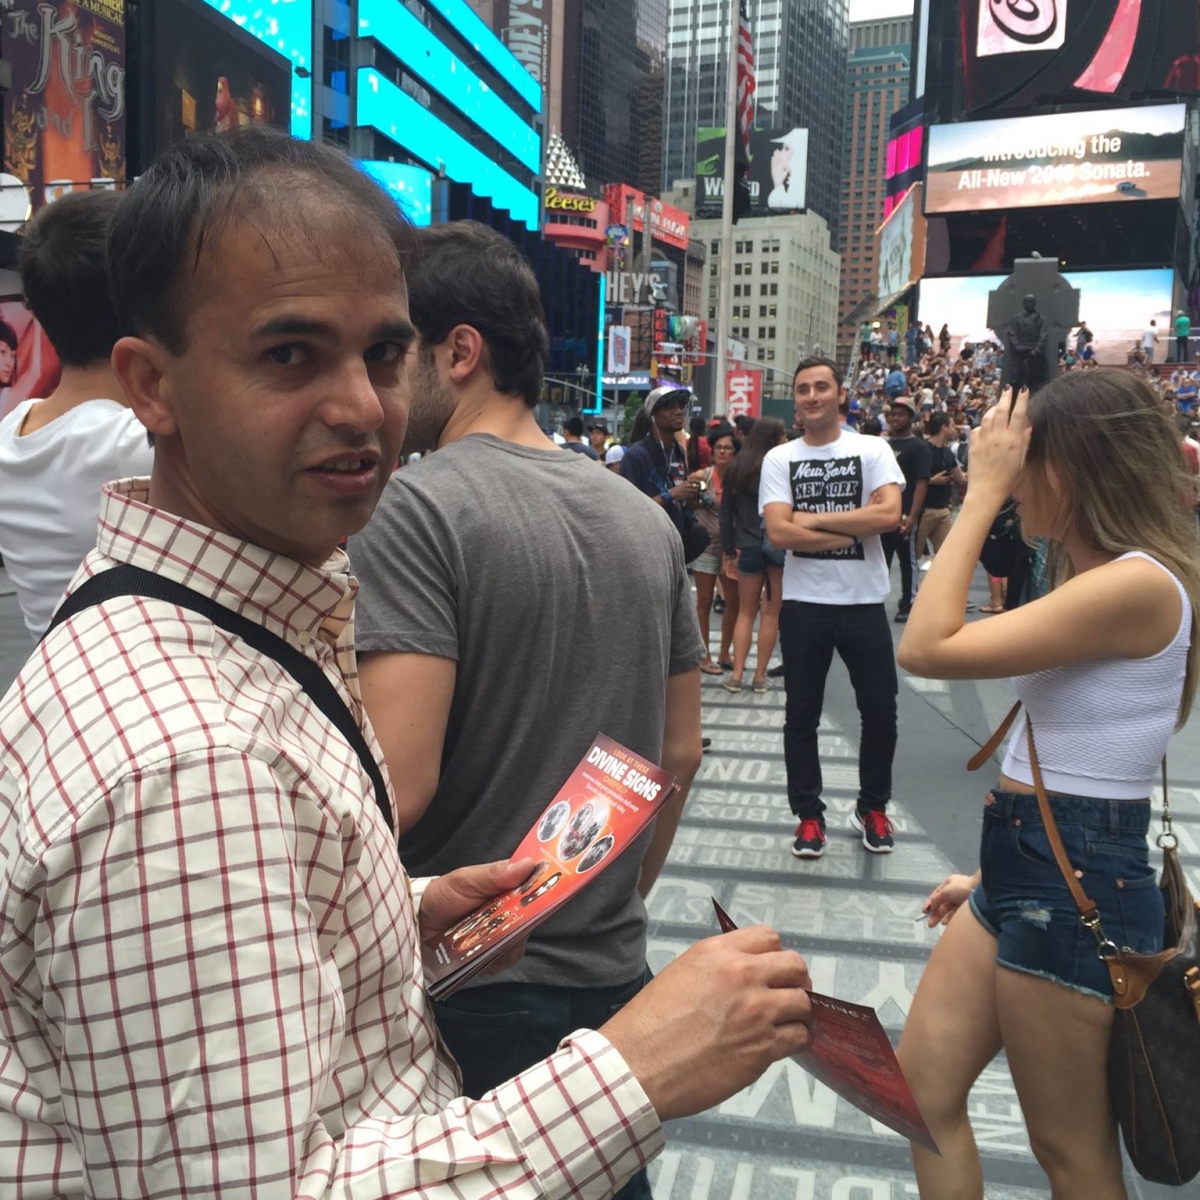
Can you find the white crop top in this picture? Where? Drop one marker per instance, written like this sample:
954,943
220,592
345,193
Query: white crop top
1102,727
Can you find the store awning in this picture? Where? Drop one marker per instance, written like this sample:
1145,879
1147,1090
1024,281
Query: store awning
897,298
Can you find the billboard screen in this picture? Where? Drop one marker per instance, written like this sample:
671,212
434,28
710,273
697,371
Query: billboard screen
1117,305
778,171
1017,54
1099,157
210,77
902,239
64,116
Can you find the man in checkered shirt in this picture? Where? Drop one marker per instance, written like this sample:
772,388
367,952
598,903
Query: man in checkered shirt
210,954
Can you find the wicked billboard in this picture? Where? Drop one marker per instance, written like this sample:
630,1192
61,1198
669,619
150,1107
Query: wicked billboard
64,116
778,171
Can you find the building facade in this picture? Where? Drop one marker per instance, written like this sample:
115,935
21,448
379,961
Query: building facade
878,87
785,280
801,52
600,65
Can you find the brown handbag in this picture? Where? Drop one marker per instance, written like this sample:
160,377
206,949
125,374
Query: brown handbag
1154,1053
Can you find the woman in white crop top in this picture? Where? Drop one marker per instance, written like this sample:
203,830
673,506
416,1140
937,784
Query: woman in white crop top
1104,666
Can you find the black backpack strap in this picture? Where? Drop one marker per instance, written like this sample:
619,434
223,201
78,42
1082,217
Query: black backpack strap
133,581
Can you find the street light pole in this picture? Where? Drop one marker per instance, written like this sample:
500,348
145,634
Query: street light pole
725,248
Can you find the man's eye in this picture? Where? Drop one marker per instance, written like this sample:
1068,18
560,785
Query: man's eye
385,352
290,355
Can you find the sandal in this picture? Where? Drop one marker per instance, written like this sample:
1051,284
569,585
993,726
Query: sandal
710,668
724,664
991,609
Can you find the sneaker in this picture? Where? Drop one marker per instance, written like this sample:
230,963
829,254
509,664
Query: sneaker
902,617
776,672
810,838
927,564
732,685
761,686
876,830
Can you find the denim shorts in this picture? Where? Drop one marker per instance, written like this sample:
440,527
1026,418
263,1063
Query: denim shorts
756,559
1024,902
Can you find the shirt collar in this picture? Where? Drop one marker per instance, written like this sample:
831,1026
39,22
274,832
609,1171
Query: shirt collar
278,593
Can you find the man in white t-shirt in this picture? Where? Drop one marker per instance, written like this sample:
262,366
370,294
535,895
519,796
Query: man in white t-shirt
826,498
57,453
1150,340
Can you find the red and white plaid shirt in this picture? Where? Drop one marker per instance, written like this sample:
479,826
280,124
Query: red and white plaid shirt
210,972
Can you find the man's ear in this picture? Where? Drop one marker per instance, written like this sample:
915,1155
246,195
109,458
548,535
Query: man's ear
466,352
140,365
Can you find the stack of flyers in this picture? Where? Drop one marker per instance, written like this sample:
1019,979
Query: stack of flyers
851,1055
598,813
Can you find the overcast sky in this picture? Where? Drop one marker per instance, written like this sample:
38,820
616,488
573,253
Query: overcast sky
865,10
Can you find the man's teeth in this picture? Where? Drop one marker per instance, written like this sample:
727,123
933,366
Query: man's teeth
347,464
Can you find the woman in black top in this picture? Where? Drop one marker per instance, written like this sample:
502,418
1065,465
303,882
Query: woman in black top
746,556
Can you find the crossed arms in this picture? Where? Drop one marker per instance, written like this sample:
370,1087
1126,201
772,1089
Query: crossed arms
814,532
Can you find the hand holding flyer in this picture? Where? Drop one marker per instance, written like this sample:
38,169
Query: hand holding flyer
851,1055
603,807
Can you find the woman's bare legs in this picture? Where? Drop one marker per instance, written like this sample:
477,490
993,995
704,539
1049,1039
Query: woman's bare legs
768,622
705,587
749,588
728,619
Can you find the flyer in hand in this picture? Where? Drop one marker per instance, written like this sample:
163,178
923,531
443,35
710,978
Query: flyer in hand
851,1055
603,807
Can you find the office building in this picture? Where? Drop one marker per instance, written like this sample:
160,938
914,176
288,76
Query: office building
785,279
878,87
801,51
600,65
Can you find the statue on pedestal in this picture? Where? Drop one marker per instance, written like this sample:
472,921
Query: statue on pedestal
1025,346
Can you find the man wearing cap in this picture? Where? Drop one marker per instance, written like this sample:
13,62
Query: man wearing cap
657,465
598,436
915,459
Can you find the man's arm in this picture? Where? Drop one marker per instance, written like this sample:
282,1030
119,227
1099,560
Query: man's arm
918,506
787,533
408,697
881,514
681,755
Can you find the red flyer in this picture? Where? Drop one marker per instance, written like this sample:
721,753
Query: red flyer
602,808
852,1056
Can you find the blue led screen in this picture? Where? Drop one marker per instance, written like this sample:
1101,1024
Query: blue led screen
416,46
287,27
471,28
411,187
383,106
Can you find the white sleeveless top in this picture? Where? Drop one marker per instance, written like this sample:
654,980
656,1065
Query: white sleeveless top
1102,727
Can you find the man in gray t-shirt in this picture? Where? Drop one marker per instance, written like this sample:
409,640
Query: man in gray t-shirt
514,602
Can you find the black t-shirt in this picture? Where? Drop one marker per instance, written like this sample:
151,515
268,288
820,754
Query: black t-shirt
941,458
584,449
914,458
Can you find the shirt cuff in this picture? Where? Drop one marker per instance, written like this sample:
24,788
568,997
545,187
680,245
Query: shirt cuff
416,888
582,1118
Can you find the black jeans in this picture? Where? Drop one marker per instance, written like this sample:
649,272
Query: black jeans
809,634
902,546
1181,349
498,1031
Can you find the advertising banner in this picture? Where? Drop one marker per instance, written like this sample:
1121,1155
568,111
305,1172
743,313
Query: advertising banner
744,397
902,245
1117,305
1020,53
778,171
64,117
1094,157
210,77
620,349
627,209
525,29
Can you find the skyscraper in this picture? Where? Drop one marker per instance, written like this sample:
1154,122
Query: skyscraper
879,73
800,50
600,64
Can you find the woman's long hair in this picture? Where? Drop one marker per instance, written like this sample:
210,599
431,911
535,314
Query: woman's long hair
1117,455
696,432
741,476
641,427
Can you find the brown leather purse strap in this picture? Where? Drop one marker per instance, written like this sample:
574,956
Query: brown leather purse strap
993,743
1083,902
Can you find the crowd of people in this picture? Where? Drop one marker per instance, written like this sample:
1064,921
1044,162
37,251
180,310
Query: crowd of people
298,707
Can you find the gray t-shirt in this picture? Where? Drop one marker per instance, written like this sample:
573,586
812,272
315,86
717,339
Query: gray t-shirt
560,591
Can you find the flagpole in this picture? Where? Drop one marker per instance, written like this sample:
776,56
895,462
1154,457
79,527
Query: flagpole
725,259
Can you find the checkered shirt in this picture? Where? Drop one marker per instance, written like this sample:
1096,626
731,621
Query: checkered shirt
210,971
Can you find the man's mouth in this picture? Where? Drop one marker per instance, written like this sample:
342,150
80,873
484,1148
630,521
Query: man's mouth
346,466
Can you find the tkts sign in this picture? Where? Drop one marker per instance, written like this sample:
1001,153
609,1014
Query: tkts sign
744,394
64,116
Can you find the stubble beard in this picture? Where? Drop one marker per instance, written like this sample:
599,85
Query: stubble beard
431,410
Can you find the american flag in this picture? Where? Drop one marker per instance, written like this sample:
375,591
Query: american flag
745,77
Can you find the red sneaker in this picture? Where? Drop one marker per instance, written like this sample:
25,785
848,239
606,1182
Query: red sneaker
876,830
810,838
